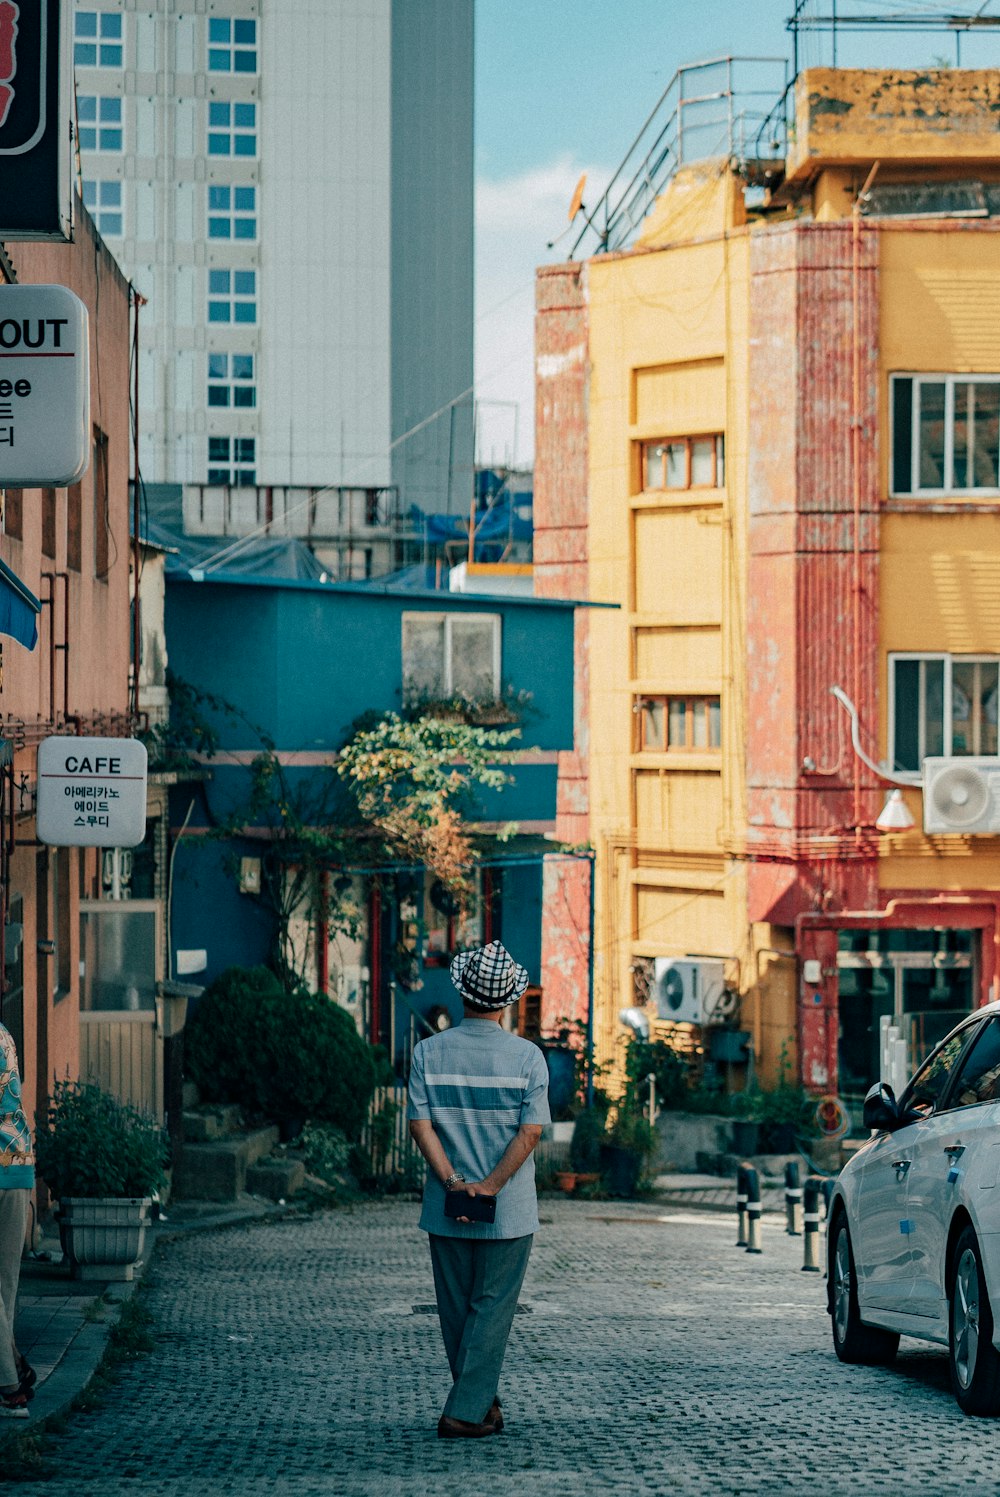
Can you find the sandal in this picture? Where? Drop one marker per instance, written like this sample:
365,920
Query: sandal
28,1378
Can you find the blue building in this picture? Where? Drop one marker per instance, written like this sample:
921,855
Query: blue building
299,661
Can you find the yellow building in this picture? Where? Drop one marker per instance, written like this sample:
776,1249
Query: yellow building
769,430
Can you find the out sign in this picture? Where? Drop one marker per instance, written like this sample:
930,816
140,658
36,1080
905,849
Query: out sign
44,386
91,792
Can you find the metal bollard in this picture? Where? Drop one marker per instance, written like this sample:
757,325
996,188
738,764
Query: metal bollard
810,1223
753,1212
741,1205
793,1200
826,1188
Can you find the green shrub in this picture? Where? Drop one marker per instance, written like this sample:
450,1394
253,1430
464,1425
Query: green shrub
283,1056
95,1145
327,1151
674,1073
585,1145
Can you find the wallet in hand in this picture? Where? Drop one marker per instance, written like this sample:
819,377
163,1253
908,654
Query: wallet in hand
477,1208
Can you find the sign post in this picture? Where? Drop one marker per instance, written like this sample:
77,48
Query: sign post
91,792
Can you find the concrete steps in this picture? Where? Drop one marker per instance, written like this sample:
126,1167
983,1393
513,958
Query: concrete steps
204,1125
276,1179
217,1170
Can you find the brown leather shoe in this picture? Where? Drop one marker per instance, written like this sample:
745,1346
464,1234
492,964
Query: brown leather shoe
495,1416
460,1429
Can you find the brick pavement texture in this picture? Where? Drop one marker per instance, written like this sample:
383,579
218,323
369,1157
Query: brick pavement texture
655,1358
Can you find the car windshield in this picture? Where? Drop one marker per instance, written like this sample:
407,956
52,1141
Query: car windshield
928,1085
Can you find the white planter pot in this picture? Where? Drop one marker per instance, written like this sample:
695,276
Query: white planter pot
103,1236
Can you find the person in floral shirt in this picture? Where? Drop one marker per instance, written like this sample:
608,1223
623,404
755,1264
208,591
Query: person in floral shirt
17,1181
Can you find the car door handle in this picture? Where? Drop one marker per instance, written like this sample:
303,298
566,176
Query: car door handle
954,1150
901,1166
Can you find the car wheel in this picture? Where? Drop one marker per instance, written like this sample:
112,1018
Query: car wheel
853,1341
975,1362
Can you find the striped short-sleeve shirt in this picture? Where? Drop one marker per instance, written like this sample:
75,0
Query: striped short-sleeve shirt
477,1084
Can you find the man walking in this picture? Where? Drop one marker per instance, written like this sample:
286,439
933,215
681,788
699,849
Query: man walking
478,1098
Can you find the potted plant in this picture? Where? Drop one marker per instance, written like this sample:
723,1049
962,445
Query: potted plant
786,1115
628,1144
102,1160
747,1109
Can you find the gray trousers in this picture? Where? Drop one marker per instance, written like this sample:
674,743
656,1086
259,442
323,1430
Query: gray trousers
13,1223
477,1284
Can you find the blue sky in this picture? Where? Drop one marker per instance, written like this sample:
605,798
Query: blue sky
562,87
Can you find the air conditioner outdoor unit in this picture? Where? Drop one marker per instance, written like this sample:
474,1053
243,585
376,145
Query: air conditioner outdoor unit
962,796
687,990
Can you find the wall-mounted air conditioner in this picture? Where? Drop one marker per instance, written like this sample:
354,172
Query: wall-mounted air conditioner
687,990
962,796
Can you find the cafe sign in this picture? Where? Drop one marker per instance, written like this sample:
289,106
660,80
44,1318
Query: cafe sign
91,792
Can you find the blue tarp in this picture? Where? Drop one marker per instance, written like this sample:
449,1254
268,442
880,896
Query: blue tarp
509,518
19,609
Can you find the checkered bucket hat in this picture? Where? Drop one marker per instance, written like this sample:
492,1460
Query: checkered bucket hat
488,976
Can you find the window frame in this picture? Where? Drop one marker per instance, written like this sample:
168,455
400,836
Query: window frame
948,661
949,380
100,211
691,700
495,620
230,383
234,50
99,41
100,493
718,440
231,131
231,298
231,216
98,126
239,472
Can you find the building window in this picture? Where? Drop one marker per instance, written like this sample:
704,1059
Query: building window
232,212
100,493
945,434
232,128
99,122
231,460
97,39
942,705
232,296
49,516
104,201
448,655
232,45
13,513
230,380
684,463
74,527
686,723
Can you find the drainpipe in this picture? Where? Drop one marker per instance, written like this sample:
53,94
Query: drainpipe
137,302
856,457
592,860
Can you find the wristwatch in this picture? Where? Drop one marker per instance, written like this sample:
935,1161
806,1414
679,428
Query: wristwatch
453,1179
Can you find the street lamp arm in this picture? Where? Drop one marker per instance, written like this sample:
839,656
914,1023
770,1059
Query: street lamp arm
910,779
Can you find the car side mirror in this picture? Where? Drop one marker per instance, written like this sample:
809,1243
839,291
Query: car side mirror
881,1110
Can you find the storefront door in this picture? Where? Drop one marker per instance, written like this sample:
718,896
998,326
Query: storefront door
925,980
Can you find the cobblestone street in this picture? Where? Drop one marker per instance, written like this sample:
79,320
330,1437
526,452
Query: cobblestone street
653,1357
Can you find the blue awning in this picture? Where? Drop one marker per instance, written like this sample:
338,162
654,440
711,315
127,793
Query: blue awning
19,609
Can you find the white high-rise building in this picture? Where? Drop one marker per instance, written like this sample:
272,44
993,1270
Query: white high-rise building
289,183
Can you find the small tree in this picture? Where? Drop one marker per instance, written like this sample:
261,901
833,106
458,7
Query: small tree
413,779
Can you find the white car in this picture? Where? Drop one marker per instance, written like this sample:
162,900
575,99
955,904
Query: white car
913,1239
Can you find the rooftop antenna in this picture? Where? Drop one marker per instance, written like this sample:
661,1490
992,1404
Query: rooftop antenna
575,207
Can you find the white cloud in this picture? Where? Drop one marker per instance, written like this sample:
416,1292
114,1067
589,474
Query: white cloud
516,217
